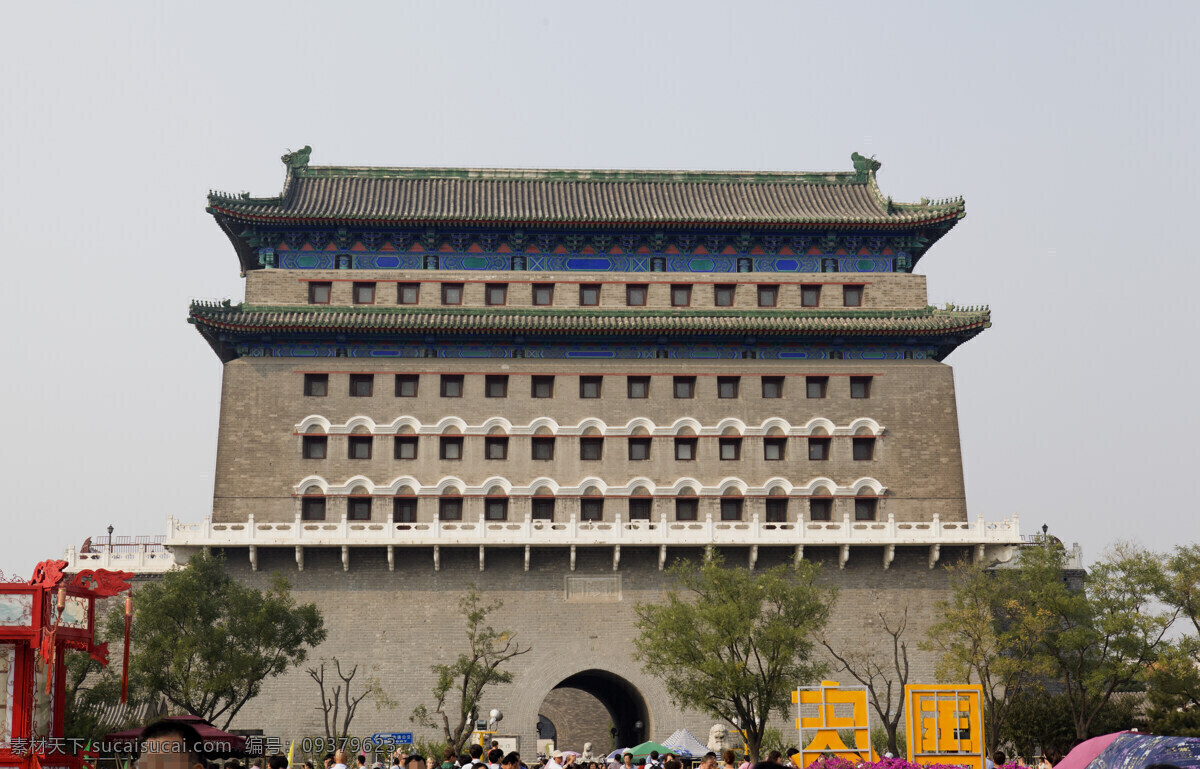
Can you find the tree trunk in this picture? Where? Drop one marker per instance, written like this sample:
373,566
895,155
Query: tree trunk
753,745
891,728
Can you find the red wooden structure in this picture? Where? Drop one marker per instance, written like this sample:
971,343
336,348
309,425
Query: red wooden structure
39,621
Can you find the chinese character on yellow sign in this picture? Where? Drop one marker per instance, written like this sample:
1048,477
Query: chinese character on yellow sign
822,711
945,725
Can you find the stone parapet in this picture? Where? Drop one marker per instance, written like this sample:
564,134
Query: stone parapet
993,542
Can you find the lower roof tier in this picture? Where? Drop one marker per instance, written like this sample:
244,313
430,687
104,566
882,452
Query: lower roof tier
258,319
232,329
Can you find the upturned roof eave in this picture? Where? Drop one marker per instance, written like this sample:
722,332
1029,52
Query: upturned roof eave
894,223
671,323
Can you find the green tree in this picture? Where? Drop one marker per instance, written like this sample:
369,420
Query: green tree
467,677
87,693
734,643
989,635
1173,692
1013,628
207,642
1181,586
1104,637
1039,720
1174,683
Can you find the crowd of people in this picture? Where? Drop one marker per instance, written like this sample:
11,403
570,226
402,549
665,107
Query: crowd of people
172,745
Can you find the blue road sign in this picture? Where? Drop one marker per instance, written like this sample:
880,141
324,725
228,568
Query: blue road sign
392,738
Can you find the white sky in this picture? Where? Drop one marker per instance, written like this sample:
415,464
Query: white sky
1070,128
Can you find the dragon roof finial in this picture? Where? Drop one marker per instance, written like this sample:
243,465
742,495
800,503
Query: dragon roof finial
298,159
864,165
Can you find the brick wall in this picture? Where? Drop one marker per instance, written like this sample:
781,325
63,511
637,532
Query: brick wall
260,463
578,717
881,290
400,623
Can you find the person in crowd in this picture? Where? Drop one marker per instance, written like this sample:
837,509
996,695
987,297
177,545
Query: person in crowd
448,758
339,759
1000,758
328,760
278,761
555,762
170,744
627,760
728,758
653,760
362,761
415,761
709,761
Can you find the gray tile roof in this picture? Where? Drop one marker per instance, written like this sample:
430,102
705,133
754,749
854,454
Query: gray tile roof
926,322
467,195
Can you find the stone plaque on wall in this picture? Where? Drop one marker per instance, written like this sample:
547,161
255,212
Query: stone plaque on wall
596,589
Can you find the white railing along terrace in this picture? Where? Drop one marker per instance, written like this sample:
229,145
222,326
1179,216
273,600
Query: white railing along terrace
540,533
142,560
997,538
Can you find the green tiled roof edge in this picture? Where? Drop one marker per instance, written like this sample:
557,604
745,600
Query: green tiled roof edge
969,316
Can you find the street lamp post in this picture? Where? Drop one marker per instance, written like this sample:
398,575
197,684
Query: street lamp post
110,540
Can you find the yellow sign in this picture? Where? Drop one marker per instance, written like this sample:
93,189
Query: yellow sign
945,724
822,711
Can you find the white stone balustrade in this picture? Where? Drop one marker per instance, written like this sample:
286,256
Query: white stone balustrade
997,538
540,533
142,560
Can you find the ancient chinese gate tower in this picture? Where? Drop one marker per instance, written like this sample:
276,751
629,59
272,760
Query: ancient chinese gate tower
552,383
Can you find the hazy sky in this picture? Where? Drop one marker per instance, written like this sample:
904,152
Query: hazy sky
1070,128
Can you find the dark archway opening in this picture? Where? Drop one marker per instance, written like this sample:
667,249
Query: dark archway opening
628,717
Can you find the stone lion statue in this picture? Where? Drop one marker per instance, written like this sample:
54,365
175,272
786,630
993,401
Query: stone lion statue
716,738
587,755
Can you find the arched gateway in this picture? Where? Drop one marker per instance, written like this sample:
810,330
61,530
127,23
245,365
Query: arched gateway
598,707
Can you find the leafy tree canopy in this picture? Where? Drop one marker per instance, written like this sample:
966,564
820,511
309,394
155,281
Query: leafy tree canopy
207,642
735,643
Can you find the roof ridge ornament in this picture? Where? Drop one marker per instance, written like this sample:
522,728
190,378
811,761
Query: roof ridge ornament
298,159
864,166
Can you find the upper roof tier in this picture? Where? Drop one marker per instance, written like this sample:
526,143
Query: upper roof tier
482,196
